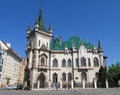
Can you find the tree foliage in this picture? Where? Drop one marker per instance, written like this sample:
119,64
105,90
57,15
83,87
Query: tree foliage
102,76
114,72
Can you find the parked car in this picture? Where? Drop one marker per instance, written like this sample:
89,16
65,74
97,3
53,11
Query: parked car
19,87
10,87
27,88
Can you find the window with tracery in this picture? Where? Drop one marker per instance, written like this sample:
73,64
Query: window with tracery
55,63
83,61
63,63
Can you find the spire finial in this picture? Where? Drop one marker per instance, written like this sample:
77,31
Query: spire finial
41,11
99,45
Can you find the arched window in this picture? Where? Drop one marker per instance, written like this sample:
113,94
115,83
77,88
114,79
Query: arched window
77,63
83,61
83,76
63,63
55,78
69,77
42,61
96,75
96,63
63,76
69,63
89,63
55,63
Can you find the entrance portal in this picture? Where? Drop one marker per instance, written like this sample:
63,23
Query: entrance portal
42,80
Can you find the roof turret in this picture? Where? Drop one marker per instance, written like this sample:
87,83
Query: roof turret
28,30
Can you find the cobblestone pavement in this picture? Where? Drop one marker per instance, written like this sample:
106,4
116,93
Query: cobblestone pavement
99,91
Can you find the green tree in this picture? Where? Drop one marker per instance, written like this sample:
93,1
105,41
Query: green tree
102,76
114,73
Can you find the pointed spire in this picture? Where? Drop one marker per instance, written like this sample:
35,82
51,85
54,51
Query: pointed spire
50,29
99,45
41,21
37,23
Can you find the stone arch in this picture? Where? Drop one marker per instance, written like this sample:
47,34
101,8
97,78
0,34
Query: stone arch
41,80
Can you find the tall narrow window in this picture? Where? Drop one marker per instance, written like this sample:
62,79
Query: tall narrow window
96,63
69,63
96,75
63,63
83,61
47,44
42,61
69,77
89,64
64,77
55,63
55,78
0,68
77,64
83,76
39,42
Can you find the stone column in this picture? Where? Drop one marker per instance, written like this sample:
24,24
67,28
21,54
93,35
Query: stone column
83,83
106,81
38,84
72,83
95,83
49,84
61,84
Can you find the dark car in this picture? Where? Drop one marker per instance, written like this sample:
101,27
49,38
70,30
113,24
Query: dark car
19,87
27,88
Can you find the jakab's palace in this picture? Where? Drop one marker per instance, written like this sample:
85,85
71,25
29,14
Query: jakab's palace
50,60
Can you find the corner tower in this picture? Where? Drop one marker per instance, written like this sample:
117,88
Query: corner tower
37,53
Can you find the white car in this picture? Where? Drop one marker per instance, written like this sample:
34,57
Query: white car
11,87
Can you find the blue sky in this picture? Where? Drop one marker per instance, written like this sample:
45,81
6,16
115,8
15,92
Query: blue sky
91,20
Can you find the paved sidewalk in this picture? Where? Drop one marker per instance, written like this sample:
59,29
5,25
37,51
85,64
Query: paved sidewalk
98,91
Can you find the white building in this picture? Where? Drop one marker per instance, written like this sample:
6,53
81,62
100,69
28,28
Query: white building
9,65
52,60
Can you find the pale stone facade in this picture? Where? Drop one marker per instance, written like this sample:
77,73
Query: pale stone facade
10,65
50,60
22,72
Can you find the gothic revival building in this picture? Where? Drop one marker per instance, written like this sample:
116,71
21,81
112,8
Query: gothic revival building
51,60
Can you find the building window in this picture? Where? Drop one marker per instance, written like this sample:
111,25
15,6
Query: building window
96,75
55,78
83,76
47,44
69,77
0,56
89,64
55,63
69,63
39,42
96,63
27,62
83,61
64,77
0,68
42,61
77,63
63,63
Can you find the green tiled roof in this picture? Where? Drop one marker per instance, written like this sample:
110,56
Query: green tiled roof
41,22
57,45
